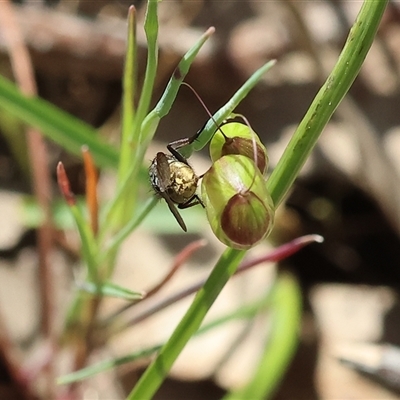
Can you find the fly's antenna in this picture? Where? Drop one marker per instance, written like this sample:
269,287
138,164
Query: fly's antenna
206,109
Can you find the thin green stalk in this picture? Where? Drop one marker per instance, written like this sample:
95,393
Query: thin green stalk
164,105
87,372
89,250
151,30
225,111
129,88
131,146
344,73
150,123
89,245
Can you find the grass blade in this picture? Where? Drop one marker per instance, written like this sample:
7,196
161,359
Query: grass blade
57,125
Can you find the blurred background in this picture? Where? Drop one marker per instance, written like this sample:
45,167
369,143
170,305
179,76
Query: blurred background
348,192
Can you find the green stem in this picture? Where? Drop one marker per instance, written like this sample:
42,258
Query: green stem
132,148
128,96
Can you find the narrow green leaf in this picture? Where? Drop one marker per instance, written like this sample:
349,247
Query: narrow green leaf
225,111
151,30
12,130
57,125
88,242
110,289
102,366
129,86
133,149
164,105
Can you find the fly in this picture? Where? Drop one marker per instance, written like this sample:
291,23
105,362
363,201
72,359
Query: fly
174,179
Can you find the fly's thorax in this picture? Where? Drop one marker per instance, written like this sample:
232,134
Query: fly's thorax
183,183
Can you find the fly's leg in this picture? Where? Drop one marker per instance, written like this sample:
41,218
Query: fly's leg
174,146
191,202
177,144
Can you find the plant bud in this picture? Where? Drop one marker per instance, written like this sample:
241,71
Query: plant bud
238,205
238,139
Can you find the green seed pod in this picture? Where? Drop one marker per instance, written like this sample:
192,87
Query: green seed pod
238,139
238,205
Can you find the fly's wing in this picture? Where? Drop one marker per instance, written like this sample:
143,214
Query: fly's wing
164,176
174,211
163,171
